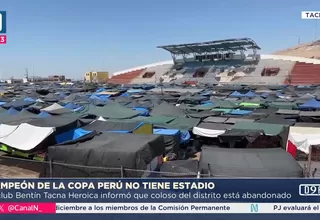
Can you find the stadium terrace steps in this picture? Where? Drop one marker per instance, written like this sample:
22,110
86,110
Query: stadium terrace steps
125,78
265,80
284,65
159,72
255,77
305,74
240,77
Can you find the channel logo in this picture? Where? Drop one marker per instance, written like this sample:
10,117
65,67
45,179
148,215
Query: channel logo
3,22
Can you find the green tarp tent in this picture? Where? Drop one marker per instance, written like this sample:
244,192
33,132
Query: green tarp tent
155,120
113,111
224,104
201,107
269,129
250,105
283,105
183,123
224,110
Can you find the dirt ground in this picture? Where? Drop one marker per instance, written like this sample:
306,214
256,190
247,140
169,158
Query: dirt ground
12,168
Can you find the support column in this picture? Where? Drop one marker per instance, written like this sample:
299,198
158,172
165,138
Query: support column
254,53
174,58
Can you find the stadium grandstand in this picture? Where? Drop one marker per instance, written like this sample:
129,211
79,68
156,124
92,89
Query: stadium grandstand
234,61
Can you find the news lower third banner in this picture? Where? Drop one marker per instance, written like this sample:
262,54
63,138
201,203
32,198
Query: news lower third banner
143,196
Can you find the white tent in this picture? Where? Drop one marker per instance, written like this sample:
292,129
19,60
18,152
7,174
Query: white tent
26,136
6,130
52,107
101,119
203,132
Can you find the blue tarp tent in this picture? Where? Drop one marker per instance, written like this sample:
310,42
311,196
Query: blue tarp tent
71,135
170,132
236,94
125,94
100,90
250,94
62,95
43,115
135,91
184,135
100,97
143,111
280,94
312,104
240,112
71,105
206,103
147,87
209,93
12,111
79,109
29,99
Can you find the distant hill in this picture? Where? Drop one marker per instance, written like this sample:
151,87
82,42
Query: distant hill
308,50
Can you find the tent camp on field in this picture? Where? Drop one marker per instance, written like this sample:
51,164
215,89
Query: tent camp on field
240,130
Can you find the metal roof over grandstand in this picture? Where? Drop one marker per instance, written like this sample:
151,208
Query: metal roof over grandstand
212,46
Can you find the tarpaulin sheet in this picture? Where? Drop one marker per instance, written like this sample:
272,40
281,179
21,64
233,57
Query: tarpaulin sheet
240,112
226,162
183,123
203,132
18,104
215,119
113,110
283,105
269,129
27,137
235,136
71,135
166,109
108,150
312,104
101,126
274,119
60,123
171,139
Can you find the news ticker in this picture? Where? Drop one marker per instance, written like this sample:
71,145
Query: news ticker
160,208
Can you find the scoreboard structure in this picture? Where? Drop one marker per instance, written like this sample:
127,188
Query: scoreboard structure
3,27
